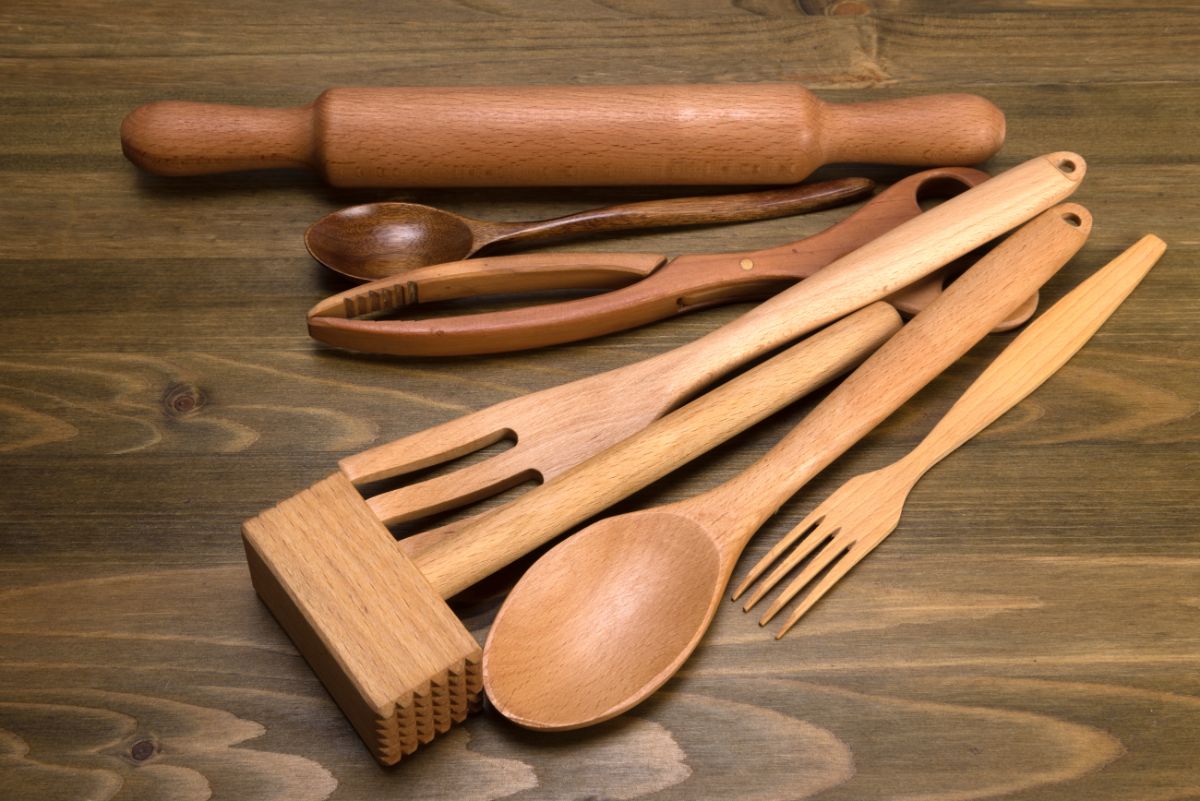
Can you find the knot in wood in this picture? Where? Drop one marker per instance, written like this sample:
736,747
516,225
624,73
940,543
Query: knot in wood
142,750
182,400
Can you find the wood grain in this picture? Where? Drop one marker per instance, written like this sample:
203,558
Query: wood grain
1032,629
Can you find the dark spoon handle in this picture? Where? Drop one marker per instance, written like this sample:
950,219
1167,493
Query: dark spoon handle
704,210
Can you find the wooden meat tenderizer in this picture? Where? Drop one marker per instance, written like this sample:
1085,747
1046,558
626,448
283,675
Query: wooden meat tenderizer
752,133
370,617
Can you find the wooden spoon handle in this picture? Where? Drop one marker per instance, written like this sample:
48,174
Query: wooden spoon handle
743,207
453,560
877,269
915,297
562,135
983,296
1036,354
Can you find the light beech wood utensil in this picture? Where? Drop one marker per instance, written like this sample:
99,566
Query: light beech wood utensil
375,628
604,618
376,240
656,287
402,670
866,509
752,133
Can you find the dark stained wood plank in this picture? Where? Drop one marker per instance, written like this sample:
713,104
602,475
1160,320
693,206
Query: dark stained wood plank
261,216
856,51
980,691
237,395
252,242
1030,631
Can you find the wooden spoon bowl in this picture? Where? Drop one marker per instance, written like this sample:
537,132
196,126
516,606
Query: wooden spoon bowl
582,591
380,239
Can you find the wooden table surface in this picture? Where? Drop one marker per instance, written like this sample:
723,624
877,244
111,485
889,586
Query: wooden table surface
1032,630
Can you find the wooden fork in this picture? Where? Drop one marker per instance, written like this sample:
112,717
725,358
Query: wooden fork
867,508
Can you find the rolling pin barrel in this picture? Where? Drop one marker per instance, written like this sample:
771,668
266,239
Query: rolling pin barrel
563,135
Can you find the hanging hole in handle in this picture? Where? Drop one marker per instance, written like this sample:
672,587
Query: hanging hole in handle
1067,166
936,190
1072,219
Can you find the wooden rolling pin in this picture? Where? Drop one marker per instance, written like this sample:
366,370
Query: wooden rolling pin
764,133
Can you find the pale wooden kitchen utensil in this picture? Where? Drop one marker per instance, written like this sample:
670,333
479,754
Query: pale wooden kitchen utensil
605,617
371,619
866,509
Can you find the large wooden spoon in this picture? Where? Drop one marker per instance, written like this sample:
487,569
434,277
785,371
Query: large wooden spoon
376,240
603,619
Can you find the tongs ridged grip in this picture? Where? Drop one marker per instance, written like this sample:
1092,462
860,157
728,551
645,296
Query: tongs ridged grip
487,277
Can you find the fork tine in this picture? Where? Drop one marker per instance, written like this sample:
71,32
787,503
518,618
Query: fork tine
807,525
426,448
832,551
452,490
850,557
812,541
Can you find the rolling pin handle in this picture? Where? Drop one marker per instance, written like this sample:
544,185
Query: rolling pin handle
182,138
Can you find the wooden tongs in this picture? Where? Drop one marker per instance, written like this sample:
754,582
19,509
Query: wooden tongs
652,287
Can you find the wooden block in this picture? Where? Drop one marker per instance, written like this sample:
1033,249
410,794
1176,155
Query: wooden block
387,647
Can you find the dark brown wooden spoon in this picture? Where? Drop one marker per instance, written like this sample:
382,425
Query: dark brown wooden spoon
376,240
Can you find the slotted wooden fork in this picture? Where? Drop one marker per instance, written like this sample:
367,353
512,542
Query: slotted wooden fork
840,532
